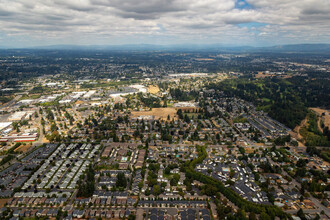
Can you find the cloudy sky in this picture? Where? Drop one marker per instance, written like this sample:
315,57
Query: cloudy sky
25,23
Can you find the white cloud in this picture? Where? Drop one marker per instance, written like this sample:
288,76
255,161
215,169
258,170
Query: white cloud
175,21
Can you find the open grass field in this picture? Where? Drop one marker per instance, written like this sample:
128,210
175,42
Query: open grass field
153,89
33,96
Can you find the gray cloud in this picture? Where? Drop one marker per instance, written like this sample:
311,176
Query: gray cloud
144,7
137,21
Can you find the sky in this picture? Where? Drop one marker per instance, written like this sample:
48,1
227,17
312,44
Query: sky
28,23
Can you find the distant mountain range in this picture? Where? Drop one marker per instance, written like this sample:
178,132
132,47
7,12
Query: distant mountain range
297,48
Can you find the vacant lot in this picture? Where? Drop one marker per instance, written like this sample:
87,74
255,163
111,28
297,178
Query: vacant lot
153,89
23,148
3,202
79,102
158,113
187,109
162,113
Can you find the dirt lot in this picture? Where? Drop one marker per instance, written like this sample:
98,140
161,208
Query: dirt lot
79,102
23,148
159,113
3,202
162,113
153,89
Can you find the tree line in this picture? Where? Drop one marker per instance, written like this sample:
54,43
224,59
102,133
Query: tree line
213,186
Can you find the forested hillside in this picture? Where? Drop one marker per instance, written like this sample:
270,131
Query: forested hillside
285,100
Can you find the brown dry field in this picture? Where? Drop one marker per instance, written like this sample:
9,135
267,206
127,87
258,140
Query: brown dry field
325,118
79,102
44,140
186,108
3,202
248,150
23,148
295,133
159,113
153,89
162,113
